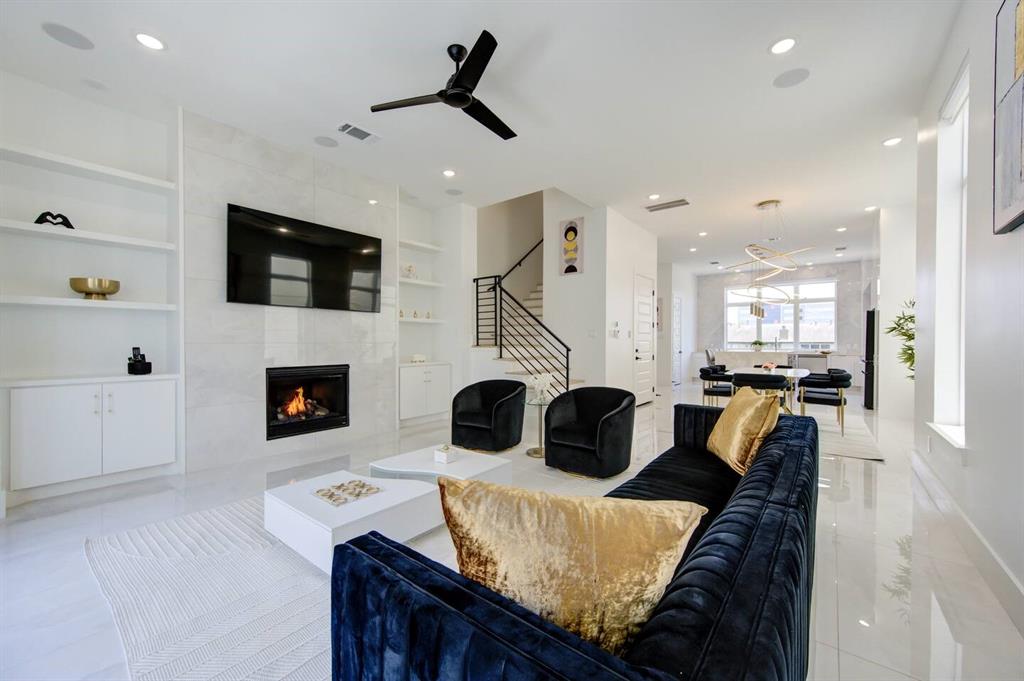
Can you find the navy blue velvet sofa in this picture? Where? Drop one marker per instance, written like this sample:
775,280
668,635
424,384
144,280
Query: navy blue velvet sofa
737,608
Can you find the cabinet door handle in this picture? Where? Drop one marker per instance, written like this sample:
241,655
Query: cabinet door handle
110,403
96,403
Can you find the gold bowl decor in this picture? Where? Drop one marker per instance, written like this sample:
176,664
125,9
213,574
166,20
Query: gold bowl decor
94,288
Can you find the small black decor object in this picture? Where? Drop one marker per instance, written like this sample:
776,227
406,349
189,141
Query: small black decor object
137,364
59,219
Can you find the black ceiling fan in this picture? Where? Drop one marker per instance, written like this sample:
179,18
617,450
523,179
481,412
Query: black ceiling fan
458,92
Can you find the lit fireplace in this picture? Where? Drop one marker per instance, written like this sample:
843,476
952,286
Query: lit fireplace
306,399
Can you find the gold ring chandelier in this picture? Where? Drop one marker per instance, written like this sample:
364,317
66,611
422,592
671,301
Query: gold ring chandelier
767,262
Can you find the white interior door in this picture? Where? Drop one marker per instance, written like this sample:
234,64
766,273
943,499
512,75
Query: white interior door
677,341
643,338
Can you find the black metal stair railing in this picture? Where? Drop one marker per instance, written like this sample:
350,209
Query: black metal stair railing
504,322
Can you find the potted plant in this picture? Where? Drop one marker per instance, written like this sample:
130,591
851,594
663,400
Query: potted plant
904,328
757,345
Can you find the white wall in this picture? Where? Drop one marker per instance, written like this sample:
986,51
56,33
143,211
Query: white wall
631,251
896,227
228,345
456,228
984,480
506,231
574,305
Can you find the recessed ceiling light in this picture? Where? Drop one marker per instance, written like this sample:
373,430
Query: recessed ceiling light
809,264
373,202
654,197
840,229
693,250
702,233
448,173
736,271
783,46
863,623
149,41
282,229
870,208
721,267
892,141
839,255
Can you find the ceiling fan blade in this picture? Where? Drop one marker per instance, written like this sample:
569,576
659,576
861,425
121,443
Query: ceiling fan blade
402,103
485,116
473,67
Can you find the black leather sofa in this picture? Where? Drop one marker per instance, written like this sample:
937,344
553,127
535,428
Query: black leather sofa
589,431
489,415
737,609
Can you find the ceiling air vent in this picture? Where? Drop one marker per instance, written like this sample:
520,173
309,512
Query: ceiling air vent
840,249
358,133
668,204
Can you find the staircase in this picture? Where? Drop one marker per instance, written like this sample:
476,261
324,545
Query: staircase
516,328
534,354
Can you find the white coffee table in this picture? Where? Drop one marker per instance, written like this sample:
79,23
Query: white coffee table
403,509
420,465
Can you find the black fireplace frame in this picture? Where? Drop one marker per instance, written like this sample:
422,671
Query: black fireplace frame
278,430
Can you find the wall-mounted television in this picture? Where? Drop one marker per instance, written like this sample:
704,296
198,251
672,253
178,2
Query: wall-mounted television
275,260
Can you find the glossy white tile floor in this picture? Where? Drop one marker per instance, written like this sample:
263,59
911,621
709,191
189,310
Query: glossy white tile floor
895,595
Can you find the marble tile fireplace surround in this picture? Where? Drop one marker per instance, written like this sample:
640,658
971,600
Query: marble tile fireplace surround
306,399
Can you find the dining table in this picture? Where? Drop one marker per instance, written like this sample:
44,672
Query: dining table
792,375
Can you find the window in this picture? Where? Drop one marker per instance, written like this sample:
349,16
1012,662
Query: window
289,281
950,253
808,322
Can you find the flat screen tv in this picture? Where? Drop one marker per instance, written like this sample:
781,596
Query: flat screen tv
274,260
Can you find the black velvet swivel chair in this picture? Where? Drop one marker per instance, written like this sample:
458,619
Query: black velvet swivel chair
589,431
716,384
829,390
489,415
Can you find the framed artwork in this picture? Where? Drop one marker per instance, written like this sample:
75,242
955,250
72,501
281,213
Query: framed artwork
572,246
1008,154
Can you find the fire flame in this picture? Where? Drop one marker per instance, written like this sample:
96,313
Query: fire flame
297,405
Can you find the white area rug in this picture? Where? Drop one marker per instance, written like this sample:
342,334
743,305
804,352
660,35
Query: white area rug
858,443
211,595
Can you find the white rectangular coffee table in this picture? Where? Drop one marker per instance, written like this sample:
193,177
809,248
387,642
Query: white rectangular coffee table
403,509
420,465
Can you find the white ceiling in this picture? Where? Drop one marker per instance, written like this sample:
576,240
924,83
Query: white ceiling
612,101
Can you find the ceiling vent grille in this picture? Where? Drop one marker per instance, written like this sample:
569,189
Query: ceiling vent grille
678,203
358,133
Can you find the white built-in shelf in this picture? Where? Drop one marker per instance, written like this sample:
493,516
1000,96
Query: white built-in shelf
409,320
80,380
424,364
8,299
420,282
87,169
81,235
419,246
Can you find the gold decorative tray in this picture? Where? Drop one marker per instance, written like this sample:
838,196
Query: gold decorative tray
344,492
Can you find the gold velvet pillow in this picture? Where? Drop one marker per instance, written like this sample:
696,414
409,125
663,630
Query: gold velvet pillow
741,429
593,565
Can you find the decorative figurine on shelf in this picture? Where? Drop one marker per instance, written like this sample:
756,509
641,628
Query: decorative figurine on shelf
137,364
428,314
409,271
415,314
401,313
418,359
58,219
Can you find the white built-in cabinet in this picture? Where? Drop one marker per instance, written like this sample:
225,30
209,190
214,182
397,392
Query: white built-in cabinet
424,389
69,432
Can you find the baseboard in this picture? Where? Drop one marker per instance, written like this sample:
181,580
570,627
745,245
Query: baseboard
1006,587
